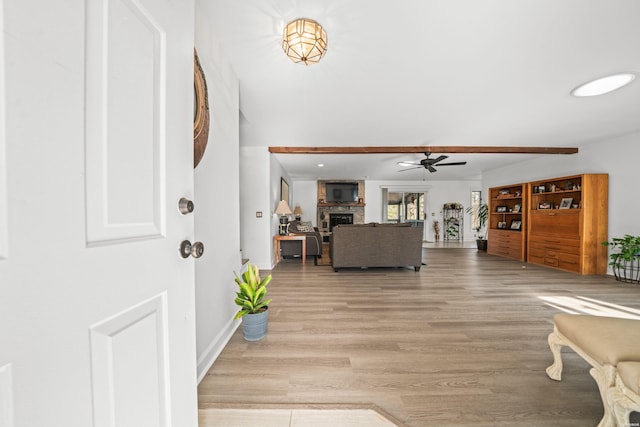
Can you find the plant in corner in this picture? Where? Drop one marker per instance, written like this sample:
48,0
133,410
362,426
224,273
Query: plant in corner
625,263
482,212
254,308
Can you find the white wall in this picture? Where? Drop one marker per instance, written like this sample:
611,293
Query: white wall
305,194
438,193
618,157
216,214
256,196
276,173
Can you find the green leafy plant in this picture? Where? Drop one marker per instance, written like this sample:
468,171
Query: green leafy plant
251,291
452,230
482,211
628,249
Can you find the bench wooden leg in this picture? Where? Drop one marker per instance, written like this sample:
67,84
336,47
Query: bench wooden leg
555,344
605,379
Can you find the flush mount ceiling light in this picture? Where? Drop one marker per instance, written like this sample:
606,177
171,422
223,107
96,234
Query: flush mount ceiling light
304,40
604,85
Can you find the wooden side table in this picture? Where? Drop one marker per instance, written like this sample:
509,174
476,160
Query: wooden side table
276,245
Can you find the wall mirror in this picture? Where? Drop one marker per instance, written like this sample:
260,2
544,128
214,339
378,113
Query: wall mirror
200,111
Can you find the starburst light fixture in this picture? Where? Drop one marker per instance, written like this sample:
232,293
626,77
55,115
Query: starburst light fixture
304,40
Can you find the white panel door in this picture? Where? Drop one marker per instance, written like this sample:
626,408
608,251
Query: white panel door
96,148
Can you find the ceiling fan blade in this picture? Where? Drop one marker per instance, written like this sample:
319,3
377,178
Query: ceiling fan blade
429,161
438,159
430,168
452,164
404,170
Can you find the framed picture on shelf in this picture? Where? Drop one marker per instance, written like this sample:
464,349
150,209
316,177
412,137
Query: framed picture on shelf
566,203
545,205
516,208
501,208
516,224
541,189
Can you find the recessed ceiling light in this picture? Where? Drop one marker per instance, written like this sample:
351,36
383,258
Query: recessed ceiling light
320,165
604,85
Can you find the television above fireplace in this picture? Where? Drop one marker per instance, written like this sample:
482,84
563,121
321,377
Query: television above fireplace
342,192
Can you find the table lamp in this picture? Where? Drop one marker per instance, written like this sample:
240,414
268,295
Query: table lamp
283,210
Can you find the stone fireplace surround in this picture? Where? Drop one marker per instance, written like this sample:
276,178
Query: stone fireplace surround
325,210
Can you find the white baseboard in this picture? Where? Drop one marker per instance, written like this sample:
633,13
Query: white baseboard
205,361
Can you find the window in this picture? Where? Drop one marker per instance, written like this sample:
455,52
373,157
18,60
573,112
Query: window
476,199
405,206
393,214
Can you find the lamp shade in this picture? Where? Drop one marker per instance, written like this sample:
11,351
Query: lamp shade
297,211
304,40
283,208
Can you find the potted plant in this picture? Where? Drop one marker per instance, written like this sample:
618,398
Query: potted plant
625,263
482,212
254,308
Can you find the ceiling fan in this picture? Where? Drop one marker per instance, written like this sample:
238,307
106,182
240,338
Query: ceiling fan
429,163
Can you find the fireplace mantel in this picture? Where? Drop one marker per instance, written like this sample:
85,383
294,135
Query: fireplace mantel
339,204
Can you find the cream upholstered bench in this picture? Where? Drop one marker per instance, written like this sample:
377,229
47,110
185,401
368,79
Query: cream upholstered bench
605,343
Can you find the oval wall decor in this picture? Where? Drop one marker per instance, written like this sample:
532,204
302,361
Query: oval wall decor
201,112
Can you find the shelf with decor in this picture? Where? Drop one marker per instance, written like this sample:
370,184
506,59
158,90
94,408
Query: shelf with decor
507,221
568,221
453,221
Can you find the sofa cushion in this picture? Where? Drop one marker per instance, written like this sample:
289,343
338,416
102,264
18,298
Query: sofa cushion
600,336
629,373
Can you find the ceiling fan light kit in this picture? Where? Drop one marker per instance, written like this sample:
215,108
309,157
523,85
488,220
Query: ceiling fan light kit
603,85
304,40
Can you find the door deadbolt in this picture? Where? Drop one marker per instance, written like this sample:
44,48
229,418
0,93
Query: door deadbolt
185,206
195,250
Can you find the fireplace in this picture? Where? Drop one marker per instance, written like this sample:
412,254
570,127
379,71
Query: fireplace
341,218
328,216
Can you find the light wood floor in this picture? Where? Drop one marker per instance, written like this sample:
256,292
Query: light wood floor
463,342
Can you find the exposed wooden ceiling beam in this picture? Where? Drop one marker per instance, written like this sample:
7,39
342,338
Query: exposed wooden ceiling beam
424,149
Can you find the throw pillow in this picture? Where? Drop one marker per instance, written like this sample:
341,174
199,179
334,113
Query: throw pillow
305,227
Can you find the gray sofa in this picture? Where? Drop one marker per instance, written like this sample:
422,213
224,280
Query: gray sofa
376,245
292,249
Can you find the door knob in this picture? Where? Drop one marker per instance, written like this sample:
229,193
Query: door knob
195,250
185,206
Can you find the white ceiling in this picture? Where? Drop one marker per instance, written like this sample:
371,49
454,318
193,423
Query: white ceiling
429,72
